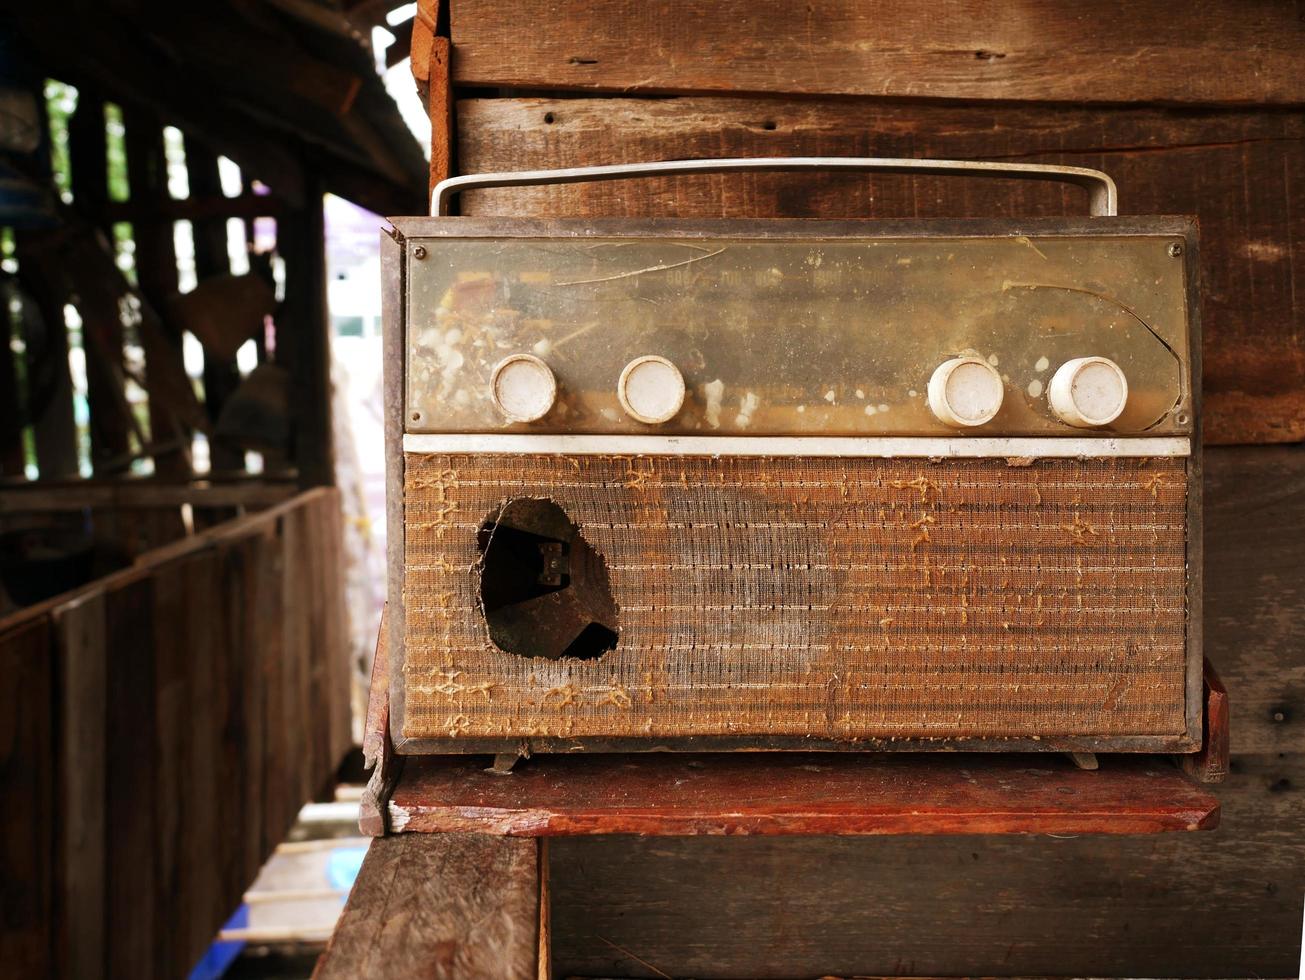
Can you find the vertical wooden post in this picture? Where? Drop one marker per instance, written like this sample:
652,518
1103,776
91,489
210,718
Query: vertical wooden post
303,336
49,381
103,342
432,56
11,410
27,736
156,267
221,378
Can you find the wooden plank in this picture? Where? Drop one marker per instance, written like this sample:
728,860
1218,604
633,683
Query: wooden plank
297,586
440,906
1210,764
240,768
283,713
179,873
338,649
83,655
203,835
1254,611
260,552
1165,162
130,747
798,794
44,496
944,906
27,745
439,106
1221,52
378,750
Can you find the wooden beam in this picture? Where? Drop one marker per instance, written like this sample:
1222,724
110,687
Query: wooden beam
402,46
156,277
102,333
221,378
45,497
790,794
440,906
1220,53
45,337
246,205
12,462
303,338
440,107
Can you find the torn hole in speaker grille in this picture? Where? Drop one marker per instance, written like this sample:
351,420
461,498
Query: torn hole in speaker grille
544,590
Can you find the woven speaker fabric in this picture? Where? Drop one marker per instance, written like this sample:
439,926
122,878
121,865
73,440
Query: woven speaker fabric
840,598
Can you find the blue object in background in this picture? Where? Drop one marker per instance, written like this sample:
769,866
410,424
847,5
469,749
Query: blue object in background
221,955
342,867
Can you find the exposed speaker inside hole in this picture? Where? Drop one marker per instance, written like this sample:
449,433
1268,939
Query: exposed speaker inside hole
544,590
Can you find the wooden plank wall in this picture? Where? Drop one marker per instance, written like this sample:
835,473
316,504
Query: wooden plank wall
159,730
1193,111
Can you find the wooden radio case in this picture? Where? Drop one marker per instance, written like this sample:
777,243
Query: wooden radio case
664,484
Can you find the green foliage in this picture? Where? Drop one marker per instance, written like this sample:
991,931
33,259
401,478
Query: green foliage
61,103
115,134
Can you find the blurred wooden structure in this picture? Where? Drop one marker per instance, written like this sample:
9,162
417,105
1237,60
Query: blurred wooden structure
161,724
1198,112
286,91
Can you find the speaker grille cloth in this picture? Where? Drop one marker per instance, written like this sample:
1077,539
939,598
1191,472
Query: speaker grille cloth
839,598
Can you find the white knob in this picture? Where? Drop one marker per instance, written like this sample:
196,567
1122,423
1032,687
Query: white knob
523,387
965,391
1088,391
651,389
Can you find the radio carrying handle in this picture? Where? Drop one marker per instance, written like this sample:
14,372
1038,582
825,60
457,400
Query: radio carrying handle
1103,199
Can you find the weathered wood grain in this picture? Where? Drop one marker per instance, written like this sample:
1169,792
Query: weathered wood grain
131,740
1039,50
28,937
174,801
82,659
1241,173
1254,599
798,794
200,851
154,747
440,906
945,906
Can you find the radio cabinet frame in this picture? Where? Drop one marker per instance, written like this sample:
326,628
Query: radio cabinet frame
408,232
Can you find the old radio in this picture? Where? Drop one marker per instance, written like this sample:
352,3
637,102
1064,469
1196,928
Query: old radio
748,484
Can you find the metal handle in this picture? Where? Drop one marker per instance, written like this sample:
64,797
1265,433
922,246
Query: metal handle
1102,196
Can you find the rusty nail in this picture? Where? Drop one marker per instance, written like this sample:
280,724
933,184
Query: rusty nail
419,252
1176,249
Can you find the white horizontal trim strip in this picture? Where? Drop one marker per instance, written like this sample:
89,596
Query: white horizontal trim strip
884,447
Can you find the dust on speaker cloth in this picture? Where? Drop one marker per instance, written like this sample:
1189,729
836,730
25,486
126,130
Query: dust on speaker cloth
839,598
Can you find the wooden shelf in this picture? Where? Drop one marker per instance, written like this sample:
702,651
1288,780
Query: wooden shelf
798,793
